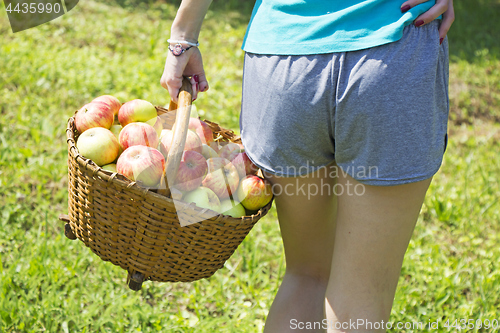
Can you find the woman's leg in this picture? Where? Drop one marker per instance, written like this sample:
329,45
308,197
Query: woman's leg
358,272
307,223
372,234
391,113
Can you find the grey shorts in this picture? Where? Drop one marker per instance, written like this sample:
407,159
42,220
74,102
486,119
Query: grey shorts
380,113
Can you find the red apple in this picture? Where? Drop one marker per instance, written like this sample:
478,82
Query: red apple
138,133
192,142
254,192
142,164
202,129
94,114
244,165
222,177
229,151
99,145
112,101
204,198
192,170
136,110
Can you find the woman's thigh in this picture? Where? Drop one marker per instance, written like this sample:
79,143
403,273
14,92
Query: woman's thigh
372,233
307,210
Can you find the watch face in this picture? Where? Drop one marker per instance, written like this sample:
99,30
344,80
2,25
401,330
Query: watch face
177,50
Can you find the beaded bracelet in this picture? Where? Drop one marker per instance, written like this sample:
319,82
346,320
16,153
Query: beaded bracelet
183,42
177,50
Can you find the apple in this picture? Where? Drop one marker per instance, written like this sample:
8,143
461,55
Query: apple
222,177
204,198
232,208
215,146
208,152
142,164
229,151
112,101
164,132
202,129
156,123
138,133
254,192
136,110
244,165
192,170
192,142
94,114
99,145
115,129
110,167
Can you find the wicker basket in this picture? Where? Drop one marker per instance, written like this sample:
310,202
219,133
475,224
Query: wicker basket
139,230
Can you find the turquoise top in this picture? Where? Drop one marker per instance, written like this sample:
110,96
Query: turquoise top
292,27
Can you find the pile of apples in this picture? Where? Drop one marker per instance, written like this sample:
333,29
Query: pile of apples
130,139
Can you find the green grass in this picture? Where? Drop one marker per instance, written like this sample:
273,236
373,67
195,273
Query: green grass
51,284
452,269
475,65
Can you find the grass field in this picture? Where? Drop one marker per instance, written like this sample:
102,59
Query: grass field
51,284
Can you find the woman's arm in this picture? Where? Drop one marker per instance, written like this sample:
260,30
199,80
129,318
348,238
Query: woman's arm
186,27
442,7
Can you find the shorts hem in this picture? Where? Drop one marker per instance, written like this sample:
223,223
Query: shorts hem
365,181
286,175
394,181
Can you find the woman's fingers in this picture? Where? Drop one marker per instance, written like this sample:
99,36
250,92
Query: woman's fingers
188,64
172,84
407,5
202,82
433,13
442,7
194,84
448,18
171,78
194,69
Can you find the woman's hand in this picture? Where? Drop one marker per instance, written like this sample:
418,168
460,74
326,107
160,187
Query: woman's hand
189,64
186,27
442,7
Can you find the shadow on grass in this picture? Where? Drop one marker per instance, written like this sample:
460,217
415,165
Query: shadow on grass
476,28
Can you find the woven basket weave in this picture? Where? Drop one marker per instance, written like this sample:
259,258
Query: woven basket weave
138,229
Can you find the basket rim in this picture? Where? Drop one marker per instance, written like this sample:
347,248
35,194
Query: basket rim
125,183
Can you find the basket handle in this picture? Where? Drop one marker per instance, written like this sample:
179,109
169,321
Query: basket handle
180,129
